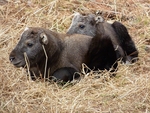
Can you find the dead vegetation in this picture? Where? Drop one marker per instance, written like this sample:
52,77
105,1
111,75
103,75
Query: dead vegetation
128,92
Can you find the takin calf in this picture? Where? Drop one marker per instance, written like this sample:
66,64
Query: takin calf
95,26
51,54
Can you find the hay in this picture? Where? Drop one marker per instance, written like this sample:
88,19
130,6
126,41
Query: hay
129,91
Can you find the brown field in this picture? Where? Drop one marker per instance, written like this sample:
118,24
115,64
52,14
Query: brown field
128,92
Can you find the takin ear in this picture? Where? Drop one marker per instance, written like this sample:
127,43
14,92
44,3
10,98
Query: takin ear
99,19
44,38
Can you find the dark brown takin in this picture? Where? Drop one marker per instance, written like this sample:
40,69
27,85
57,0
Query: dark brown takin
51,54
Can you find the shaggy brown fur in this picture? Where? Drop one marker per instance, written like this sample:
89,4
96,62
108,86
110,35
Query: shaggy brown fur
64,52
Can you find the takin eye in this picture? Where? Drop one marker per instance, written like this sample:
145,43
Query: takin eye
81,26
29,44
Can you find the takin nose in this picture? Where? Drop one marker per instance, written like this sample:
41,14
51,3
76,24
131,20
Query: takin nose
11,58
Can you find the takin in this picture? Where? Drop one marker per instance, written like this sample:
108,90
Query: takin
95,26
50,54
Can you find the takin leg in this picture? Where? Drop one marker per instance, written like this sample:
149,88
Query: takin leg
126,42
65,74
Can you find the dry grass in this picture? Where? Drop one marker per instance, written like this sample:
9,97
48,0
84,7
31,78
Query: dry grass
128,92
